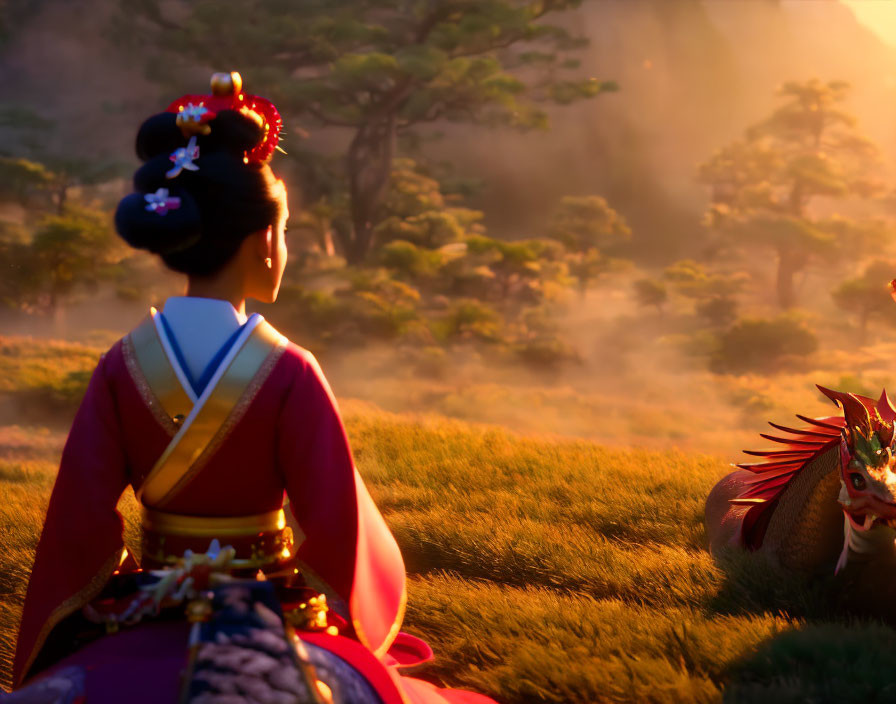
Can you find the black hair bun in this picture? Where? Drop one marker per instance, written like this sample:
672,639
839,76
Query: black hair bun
232,132
143,228
221,201
154,174
159,135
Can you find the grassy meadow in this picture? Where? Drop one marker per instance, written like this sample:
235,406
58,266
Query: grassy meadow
542,569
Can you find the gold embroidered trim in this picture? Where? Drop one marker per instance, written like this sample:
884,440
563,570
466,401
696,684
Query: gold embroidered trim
146,393
177,463
239,410
393,631
233,418
69,606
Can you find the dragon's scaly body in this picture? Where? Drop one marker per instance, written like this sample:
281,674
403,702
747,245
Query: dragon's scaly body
827,492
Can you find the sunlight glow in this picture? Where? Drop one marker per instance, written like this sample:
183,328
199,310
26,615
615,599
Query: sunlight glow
877,15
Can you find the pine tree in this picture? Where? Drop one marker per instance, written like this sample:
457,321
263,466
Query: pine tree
766,186
379,69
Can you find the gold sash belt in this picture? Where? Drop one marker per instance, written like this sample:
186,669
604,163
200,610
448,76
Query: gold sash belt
212,526
260,541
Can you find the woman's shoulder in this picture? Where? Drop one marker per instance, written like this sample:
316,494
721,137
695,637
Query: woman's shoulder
303,367
301,359
114,359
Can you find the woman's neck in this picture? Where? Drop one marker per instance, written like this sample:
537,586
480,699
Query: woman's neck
218,287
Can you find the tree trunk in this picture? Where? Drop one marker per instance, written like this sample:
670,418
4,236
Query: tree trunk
57,311
61,198
327,242
369,166
788,265
584,283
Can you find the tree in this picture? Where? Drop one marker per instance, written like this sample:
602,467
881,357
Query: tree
71,249
589,229
416,210
67,173
718,310
694,281
768,188
316,220
713,294
379,69
650,292
19,178
867,295
31,168
588,222
19,280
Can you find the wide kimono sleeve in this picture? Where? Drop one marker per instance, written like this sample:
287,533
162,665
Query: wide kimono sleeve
345,540
81,543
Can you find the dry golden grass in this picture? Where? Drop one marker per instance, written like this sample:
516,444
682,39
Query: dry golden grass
552,571
542,569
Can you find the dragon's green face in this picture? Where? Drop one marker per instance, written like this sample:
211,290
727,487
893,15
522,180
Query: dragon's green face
868,476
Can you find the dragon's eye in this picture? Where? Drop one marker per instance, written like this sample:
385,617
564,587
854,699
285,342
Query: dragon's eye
858,481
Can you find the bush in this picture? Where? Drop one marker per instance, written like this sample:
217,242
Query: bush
694,281
409,261
868,296
762,345
650,292
547,352
585,222
469,319
718,310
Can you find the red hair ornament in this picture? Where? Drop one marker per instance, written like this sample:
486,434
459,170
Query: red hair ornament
194,112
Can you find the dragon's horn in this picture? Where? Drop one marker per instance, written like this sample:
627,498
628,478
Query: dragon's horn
885,408
887,414
855,412
830,393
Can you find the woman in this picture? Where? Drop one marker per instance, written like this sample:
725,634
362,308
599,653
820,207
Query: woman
213,416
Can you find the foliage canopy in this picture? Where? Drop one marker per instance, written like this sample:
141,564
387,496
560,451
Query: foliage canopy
767,188
379,69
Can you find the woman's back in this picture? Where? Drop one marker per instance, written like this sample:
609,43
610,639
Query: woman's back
213,417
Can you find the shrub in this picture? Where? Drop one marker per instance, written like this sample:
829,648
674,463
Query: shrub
718,310
762,345
410,261
470,319
650,292
694,281
547,352
868,296
585,222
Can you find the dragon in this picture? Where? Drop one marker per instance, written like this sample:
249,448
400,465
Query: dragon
825,496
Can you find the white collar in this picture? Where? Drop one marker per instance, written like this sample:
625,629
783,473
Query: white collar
189,306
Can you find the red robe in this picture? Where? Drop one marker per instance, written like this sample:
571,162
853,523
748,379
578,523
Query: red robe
284,434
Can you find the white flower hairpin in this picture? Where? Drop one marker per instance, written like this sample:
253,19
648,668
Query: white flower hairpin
160,202
183,159
193,119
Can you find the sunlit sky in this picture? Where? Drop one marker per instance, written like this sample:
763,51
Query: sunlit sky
878,15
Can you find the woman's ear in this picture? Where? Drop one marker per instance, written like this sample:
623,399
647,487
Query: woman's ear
264,242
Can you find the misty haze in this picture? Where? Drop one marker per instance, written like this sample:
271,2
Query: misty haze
559,288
